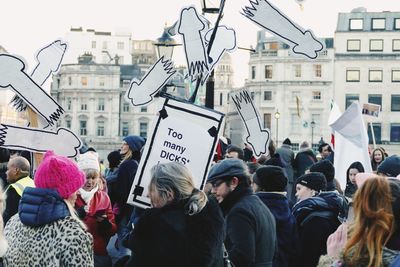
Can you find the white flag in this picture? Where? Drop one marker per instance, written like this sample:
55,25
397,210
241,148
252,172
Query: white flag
351,141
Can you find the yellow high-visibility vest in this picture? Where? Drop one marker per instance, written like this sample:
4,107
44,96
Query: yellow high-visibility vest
21,184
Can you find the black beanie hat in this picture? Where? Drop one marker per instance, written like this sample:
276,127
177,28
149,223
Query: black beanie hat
313,180
270,179
326,168
287,142
390,166
275,160
114,158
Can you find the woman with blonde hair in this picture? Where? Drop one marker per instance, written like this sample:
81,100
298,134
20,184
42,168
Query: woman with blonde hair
119,192
94,208
183,227
371,230
46,231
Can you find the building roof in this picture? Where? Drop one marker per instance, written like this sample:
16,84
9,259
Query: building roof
128,72
262,39
343,23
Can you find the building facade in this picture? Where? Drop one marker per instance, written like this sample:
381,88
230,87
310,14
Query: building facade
92,96
91,87
367,69
105,47
292,94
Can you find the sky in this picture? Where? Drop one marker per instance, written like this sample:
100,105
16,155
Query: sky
27,26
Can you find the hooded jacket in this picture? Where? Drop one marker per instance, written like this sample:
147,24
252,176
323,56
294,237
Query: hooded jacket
45,234
317,218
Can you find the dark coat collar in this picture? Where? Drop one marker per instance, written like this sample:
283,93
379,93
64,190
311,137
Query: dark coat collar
233,197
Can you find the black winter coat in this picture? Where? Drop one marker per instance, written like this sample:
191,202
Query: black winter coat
317,218
119,192
286,229
303,160
250,229
168,237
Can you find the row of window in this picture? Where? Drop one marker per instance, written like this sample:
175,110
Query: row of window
374,75
296,123
84,106
267,96
126,107
268,71
84,81
120,45
100,128
394,133
357,24
142,129
375,99
375,45
100,105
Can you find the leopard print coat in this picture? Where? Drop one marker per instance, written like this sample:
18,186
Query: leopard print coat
58,244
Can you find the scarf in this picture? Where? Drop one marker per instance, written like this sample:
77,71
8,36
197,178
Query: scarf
87,196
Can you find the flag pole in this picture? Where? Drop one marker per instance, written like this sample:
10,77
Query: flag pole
372,133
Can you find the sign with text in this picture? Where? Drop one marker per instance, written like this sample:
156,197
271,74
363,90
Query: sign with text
182,133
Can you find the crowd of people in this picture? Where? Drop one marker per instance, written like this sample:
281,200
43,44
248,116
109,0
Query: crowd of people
282,209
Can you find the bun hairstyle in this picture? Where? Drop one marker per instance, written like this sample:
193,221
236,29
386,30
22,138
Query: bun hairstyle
175,179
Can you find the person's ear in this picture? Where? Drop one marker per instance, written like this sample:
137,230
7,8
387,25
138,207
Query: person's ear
234,182
170,196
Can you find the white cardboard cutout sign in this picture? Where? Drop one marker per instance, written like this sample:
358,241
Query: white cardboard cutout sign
191,27
302,42
257,137
12,74
49,59
62,142
141,93
351,141
225,41
182,133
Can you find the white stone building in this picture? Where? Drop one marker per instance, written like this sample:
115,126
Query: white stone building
92,96
105,47
299,89
92,90
367,69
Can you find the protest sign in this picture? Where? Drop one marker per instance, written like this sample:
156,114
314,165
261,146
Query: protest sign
371,109
183,133
302,42
257,136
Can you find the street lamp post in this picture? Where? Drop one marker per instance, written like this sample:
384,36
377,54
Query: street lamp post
277,116
165,45
312,124
165,48
207,8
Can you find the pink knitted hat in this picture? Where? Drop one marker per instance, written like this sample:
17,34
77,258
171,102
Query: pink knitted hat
59,173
